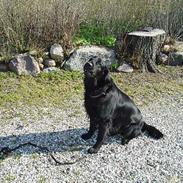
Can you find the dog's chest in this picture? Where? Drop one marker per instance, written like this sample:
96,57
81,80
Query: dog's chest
98,107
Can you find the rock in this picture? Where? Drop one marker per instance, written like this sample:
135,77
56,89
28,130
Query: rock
80,56
125,68
176,59
56,52
41,66
3,67
51,69
163,58
40,60
167,49
178,46
50,63
24,64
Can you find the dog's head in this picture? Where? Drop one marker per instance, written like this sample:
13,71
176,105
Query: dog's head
95,68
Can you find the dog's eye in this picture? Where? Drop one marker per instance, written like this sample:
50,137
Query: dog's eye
90,59
88,66
99,61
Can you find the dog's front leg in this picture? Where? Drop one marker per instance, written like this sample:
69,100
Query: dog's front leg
93,127
103,131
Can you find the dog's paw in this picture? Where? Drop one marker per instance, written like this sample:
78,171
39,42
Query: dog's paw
85,136
124,141
92,150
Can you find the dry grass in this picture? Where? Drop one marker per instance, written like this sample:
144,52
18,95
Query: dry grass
31,23
28,24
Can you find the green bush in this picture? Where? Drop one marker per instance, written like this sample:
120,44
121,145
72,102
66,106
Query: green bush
93,34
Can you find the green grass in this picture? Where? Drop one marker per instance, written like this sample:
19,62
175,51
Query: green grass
147,88
57,88
51,88
92,33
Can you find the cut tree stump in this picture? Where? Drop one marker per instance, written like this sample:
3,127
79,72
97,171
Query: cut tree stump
141,48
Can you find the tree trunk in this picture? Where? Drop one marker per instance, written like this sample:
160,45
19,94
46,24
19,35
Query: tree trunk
140,49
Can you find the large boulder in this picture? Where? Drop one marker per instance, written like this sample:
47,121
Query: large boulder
56,52
81,55
24,64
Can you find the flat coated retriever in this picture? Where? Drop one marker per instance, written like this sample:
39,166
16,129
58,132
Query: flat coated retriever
110,110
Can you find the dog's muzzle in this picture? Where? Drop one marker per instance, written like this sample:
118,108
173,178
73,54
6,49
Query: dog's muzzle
88,68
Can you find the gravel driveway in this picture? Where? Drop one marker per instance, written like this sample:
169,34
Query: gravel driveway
142,160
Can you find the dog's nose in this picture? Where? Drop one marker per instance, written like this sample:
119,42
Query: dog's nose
88,66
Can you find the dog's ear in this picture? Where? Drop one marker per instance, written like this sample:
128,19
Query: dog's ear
90,59
106,72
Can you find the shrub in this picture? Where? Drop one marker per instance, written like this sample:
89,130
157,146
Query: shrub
27,24
93,33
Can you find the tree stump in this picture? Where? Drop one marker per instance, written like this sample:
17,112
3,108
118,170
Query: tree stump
140,48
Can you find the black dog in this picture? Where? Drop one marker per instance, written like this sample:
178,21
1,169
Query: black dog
110,110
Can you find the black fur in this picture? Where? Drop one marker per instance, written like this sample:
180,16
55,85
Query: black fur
110,110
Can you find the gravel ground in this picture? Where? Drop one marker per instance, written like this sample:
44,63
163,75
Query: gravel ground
142,160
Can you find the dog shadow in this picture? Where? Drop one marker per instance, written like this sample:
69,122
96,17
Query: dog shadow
61,141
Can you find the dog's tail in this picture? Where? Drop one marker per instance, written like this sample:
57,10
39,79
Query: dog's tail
152,131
